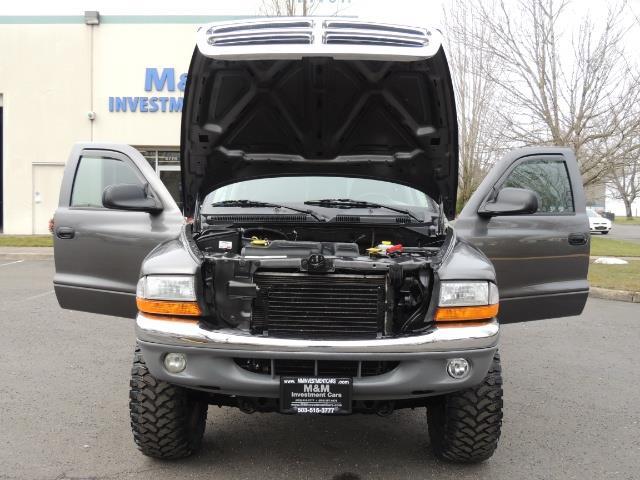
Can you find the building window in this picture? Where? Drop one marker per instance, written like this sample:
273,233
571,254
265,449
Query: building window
166,164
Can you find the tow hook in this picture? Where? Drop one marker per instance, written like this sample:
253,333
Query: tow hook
385,409
246,405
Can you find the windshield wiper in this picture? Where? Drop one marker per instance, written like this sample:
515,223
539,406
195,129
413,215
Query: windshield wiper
350,203
258,204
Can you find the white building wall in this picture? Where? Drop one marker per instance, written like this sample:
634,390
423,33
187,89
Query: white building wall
122,54
52,74
44,82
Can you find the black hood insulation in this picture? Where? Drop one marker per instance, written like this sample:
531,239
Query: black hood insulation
384,120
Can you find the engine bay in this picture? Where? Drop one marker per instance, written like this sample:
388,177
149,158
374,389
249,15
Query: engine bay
315,281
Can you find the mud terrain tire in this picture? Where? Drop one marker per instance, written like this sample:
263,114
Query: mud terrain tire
464,426
167,421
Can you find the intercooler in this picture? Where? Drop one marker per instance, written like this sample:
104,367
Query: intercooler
320,306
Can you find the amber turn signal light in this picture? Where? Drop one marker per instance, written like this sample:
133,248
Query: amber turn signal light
165,307
456,314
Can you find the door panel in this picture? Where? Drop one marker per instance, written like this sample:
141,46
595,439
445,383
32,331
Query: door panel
98,251
541,259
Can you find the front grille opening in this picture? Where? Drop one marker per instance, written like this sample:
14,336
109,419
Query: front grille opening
322,306
320,368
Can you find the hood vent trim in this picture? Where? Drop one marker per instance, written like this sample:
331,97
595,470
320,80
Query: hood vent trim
253,218
286,32
295,37
377,219
376,34
396,29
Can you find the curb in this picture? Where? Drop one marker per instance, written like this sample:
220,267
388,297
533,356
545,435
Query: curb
617,295
18,253
25,256
629,259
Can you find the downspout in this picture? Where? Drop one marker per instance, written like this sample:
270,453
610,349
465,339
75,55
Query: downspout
92,19
91,80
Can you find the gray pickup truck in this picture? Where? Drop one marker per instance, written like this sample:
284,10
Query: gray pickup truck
317,272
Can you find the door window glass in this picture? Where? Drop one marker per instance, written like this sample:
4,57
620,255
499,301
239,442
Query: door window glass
94,174
549,179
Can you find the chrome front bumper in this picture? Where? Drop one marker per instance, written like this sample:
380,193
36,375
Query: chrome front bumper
187,333
212,354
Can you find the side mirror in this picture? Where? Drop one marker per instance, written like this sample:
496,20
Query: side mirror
511,201
130,197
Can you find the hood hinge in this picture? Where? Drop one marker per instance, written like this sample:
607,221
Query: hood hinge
197,222
441,217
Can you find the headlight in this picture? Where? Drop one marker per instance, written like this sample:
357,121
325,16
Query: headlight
167,287
464,293
167,295
467,300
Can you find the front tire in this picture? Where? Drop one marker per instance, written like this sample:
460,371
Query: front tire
464,426
167,421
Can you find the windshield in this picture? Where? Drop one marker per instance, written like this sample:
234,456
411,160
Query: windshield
302,189
593,214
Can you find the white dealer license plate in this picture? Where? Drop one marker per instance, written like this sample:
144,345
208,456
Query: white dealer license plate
308,395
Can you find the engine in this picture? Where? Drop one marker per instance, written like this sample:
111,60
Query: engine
319,283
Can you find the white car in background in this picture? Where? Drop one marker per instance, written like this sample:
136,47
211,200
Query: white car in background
597,223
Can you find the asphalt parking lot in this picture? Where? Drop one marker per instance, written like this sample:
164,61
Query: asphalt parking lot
571,405
630,233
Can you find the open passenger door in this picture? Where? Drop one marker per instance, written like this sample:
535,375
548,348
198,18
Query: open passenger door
113,210
540,253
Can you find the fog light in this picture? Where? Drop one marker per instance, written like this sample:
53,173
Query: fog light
458,368
175,362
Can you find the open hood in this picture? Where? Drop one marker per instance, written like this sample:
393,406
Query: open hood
310,96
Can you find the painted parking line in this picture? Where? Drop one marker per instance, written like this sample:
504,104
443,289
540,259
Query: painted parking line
38,295
11,263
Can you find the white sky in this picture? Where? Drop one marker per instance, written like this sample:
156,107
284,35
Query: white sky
425,12
410,12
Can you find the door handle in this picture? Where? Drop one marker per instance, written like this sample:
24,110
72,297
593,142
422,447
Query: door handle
65,232
577,239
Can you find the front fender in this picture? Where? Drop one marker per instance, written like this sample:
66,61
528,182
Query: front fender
465,262
169,258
